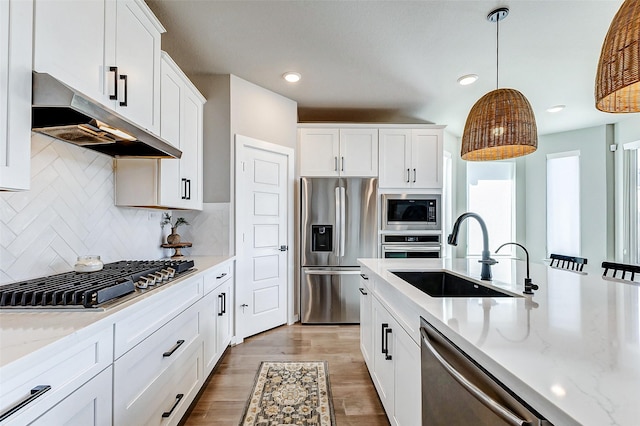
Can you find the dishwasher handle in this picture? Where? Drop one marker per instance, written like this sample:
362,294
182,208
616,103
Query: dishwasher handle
485,399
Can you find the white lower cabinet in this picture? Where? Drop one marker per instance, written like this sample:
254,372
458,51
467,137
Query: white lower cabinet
143,366
395,362
47,378
90,405
366,327
217,309
145,379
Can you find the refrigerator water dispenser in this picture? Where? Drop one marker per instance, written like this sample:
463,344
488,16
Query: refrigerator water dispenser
321,237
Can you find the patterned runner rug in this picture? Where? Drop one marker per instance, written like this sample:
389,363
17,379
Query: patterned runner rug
290,393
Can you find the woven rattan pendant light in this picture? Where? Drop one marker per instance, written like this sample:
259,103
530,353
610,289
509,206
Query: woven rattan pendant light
618,74
500,124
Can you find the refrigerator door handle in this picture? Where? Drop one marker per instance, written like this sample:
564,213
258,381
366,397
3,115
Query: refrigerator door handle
339,224
343,219
328,272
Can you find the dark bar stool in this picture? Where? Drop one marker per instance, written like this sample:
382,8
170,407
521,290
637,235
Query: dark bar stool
570,263
620,267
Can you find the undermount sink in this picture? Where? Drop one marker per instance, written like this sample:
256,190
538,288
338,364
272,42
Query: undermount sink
443,284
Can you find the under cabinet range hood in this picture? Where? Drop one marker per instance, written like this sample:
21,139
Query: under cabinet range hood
66,114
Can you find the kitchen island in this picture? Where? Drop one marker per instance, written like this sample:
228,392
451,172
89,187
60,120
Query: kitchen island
571,351
120,365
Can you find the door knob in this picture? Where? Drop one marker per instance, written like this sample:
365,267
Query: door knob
283,248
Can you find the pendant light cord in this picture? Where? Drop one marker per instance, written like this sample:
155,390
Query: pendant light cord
497,51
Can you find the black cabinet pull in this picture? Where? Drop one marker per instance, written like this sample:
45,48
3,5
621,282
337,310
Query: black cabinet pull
364,293
224,303
188,189
364,277
342,168
175,404
221,275
220,305
408,175
173,349
387,332
414,175
35,393
382,340
124,103
184,189
114,70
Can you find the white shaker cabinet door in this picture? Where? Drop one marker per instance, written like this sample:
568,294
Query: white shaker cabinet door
395,158
15,94
137,47
366,324
319,152
69,43
407,393
358,152
426,156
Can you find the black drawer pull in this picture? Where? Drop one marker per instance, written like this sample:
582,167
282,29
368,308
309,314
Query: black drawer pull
175,404
35,393
221,304
387,332
364,277
382,340
364,293
173,349
221,275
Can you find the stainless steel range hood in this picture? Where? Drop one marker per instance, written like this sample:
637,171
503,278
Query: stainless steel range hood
66,114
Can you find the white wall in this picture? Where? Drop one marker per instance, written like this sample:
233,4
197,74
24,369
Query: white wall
595,175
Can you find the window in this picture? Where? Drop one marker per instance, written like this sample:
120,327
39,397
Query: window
563,203
631,203
491,194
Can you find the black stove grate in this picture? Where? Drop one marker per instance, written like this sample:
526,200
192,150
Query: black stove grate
85,289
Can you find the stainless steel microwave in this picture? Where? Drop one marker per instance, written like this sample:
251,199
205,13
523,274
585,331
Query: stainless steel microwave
411,212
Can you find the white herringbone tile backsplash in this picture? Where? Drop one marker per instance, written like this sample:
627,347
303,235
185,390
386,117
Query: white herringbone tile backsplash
69,211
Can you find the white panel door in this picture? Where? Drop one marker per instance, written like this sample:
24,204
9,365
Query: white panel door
262,198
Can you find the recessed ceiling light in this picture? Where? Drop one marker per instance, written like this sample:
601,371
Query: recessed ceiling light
556,108
468,79
292,77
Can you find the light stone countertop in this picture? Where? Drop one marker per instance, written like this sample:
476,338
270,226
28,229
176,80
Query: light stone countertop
23,333
572,351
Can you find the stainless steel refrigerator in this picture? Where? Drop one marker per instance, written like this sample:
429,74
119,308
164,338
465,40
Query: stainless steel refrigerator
338,226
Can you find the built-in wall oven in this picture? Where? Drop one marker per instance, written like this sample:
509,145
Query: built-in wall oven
411,246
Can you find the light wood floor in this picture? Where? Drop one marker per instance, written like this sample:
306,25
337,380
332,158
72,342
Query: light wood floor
355,400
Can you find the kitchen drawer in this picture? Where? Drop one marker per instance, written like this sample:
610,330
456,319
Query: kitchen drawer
142,365
184,377
88,406
401,307
64,366
216,276
146,316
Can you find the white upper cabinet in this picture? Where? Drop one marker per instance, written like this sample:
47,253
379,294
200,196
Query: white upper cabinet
338,152
169,183
411,158
15,93
107,49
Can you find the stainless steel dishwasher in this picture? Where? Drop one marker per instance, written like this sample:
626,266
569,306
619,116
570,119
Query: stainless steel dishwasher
457,391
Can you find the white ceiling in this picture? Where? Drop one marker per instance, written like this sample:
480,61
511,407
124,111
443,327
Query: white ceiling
399,59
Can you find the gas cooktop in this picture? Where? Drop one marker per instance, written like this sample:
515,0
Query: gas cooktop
115,283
